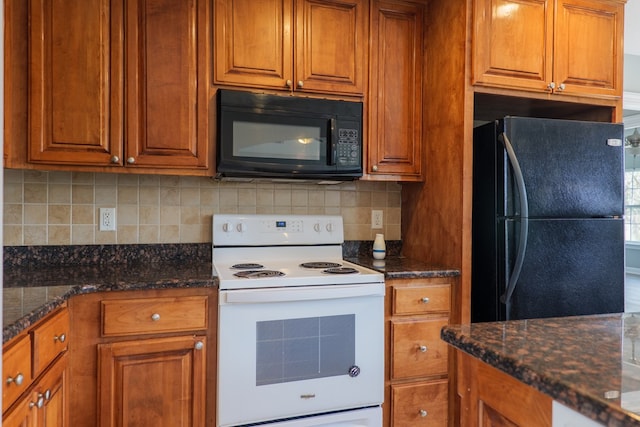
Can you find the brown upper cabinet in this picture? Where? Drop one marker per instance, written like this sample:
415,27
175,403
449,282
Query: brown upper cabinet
294,45
563,47
115,84
396,87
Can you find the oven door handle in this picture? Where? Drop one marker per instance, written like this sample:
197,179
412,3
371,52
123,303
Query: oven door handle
307,293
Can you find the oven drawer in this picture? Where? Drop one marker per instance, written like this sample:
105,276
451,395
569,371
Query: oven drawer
423,404
134,316
417,349
421,299
49,340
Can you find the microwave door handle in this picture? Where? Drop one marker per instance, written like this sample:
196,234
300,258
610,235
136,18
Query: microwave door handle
332,147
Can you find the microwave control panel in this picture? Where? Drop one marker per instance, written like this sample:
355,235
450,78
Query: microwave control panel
348,147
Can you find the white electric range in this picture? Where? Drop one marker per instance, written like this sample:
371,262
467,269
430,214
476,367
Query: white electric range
300,330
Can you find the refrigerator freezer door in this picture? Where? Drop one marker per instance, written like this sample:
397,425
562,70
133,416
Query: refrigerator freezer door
571,267
569,168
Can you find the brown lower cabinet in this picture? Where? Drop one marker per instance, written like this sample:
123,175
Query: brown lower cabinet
144,358
491,398
417,388
39,353
153,382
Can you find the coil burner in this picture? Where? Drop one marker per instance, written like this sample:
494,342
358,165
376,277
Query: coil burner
247,266
258,274
320,264
340,270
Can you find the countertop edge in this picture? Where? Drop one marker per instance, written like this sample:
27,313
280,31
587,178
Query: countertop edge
597,410
14,329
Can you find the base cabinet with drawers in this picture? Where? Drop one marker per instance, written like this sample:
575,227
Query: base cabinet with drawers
146,358
417,360
40,353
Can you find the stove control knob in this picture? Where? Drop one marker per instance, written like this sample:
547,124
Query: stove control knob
354,371
329,227
227,227
316,227
241,227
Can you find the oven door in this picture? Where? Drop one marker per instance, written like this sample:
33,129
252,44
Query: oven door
287,352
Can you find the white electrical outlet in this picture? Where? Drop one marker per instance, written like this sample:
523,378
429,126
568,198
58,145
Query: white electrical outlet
376,219
107,219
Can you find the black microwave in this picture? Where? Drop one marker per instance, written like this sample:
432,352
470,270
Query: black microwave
270,136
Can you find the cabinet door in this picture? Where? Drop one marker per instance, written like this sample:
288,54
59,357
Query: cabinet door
75,82
588,47
395,101
253,42
24,414
512,43
331,38
154,382
54,389
166,84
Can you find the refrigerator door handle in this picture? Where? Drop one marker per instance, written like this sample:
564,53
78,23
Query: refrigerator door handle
524,220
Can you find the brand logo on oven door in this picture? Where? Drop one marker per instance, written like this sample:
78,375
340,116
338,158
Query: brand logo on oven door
307,396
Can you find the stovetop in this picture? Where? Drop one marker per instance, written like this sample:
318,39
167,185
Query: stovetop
256,251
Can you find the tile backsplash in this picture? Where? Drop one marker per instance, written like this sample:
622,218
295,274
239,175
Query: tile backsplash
62,208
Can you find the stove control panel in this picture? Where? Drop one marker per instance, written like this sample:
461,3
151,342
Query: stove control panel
261,230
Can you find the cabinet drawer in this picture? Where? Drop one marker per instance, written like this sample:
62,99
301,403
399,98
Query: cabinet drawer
16,371
50,339
422,299
154,315
423,404
417,349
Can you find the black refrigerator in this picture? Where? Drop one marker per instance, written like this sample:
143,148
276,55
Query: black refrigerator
548,227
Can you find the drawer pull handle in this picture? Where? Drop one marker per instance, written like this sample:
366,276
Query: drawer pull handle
422,348
423,413
425,300
199,345
61,337
155,317
18,380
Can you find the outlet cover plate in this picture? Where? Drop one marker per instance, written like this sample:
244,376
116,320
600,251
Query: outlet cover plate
107,219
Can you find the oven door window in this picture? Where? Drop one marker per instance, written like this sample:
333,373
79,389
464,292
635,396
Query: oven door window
304,348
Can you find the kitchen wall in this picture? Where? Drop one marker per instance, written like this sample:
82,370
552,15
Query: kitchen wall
61,208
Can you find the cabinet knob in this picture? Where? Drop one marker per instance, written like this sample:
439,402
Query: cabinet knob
39,403
551,86
300,83
17,380
424,300
561,87
423,413
199,345
422,348
61,337
374,168
155,317
288,83
115,159
47,394
131,160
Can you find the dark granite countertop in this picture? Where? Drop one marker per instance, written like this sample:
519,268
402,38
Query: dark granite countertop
588,363
38,279
31,293
398,267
